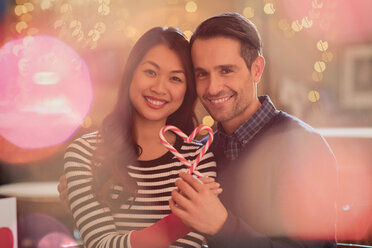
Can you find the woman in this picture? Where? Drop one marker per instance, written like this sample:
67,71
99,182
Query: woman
120,178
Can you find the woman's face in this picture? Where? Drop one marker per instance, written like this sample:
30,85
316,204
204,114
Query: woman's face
158,85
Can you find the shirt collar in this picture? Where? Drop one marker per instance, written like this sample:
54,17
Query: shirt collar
245,132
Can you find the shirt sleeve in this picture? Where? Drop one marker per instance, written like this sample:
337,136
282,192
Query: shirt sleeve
236,233
94,220
160,234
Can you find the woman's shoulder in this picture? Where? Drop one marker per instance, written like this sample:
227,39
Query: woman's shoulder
87,142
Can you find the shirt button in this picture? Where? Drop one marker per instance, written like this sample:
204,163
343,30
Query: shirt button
244,142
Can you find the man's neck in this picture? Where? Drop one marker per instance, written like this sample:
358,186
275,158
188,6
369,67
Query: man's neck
231,125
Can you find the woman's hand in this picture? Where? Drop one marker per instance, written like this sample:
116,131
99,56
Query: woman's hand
212,184
63,191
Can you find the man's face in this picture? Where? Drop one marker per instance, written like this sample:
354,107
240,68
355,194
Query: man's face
225,85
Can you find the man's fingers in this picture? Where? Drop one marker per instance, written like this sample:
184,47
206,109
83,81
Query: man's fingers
179,212
213,185
186,189
180,199
217,191
206,180
191,181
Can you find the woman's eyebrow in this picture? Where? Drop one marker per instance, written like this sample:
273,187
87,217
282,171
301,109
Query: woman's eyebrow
158,67
151,63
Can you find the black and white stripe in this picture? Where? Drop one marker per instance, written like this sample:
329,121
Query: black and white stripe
102,227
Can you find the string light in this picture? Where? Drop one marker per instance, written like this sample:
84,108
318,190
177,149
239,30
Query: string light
319,66
327,56
248,12
191,6
317,76
69,24
313,96
306,22
269,8
23,10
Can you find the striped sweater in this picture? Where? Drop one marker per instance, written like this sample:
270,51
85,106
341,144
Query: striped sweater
100,226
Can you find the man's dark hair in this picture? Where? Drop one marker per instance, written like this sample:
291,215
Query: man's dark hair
235,26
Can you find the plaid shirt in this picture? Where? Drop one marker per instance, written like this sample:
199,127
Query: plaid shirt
235,142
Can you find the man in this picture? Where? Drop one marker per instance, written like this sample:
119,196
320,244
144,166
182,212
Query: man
278,175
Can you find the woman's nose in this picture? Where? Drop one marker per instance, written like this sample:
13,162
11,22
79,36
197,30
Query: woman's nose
159,86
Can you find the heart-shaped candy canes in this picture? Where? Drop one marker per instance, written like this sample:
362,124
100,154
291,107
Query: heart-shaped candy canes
188,139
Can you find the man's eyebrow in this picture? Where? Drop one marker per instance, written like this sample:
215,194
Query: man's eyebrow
225,66
218,67
198,69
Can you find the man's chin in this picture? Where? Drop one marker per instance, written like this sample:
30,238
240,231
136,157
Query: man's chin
220,117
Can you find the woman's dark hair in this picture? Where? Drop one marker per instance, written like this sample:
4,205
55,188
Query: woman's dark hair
235,26
117,148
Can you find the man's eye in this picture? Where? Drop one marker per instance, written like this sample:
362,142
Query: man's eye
201,74
226,71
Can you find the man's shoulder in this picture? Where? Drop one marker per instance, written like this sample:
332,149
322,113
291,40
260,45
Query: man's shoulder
289,123
290,134
216,144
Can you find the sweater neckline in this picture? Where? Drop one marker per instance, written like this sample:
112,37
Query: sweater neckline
167,157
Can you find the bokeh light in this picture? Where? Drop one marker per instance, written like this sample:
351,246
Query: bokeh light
307,197
13,154
319,66
45,92
287,193
313,96
355,201
322,45
296,26
38,230
340,21
269,9
317,76
248,12
327,56
191,6
57,239
208,120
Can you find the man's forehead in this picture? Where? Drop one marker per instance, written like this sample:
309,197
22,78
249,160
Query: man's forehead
216,51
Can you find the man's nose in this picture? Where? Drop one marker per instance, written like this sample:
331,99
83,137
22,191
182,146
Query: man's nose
215,85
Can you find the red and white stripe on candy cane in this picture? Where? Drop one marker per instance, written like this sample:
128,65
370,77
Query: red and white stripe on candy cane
188,139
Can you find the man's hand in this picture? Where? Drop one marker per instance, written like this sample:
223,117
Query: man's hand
197,205
63,191
211,184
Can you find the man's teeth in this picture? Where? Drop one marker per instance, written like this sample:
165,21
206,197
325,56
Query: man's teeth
220,100
155,102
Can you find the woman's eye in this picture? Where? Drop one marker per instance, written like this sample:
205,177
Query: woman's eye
176,79
150,72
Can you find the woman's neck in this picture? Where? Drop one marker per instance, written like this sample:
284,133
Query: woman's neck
147,137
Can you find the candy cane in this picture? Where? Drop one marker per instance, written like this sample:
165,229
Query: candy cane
188,139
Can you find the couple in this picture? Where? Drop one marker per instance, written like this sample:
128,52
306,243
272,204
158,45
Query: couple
126,190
